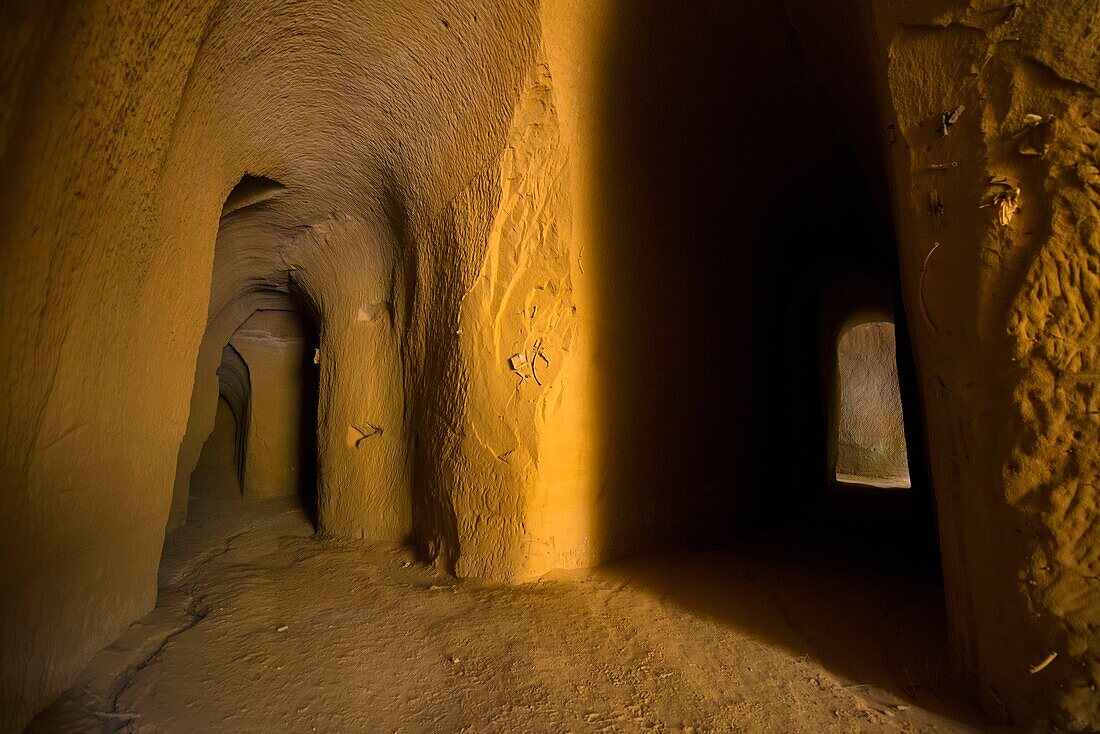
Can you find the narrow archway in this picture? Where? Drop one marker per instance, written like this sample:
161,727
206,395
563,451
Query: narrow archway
218,471
870,433
263,443
257,355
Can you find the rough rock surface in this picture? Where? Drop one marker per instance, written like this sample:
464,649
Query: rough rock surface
997,223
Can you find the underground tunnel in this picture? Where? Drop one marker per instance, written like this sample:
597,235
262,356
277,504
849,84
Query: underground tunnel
549,366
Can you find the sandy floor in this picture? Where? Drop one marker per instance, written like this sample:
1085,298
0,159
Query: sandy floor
262,627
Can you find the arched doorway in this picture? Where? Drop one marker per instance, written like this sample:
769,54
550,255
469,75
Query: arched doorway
870,432
263,443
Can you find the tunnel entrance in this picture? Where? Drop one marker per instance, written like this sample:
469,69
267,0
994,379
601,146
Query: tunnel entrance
871,446
263,444
256,355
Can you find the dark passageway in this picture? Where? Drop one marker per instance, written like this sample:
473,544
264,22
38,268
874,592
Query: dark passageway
748,224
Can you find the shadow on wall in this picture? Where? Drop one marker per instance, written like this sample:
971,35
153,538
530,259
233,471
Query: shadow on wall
731,207
690,159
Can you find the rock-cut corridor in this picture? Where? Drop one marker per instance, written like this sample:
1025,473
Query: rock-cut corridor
549,365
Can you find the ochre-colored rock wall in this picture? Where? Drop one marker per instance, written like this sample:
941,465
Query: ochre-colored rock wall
103,260
997,221
577,269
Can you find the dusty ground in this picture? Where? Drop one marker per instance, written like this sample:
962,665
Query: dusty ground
262,627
